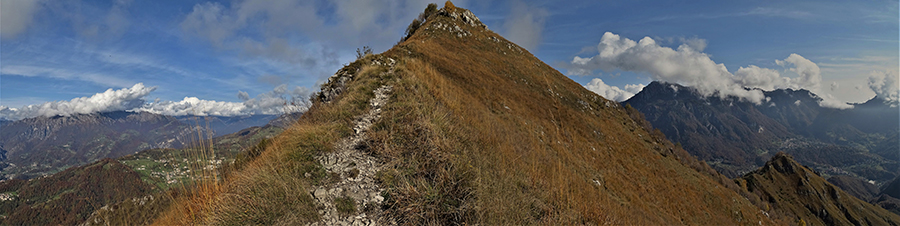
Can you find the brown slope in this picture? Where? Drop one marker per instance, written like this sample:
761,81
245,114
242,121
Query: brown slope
795,189
542,148
476,131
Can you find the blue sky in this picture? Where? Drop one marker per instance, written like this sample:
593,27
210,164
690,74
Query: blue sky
242,57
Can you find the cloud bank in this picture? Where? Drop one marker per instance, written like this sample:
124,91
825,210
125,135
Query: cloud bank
689,66
597,85
111,100
278,101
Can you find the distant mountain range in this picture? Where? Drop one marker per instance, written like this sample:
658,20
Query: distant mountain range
737,136
38,146
132,185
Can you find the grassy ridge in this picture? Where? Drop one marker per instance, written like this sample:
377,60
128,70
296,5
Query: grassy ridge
478,131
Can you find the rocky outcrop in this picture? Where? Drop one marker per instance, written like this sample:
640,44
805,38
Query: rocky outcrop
464,15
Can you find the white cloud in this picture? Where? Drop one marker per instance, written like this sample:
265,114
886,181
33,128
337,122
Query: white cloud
763,78
525,24
274,102
277,101
111,100
686,65
810,77
698,44
16,16
885,84
614,93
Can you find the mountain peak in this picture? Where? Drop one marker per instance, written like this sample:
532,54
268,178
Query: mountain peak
463,15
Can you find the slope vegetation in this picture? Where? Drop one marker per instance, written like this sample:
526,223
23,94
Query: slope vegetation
475,130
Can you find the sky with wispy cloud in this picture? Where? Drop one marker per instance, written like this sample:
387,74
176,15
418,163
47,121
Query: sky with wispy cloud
252,56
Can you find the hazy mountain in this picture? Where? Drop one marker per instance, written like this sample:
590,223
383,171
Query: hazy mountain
737,136
41,145
221,125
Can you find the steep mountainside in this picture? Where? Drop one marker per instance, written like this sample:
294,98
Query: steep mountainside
798,190
737,136
855,187
456,125
37,146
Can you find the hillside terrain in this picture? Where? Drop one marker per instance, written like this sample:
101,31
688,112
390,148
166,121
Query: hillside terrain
138,185
70,196
473,130
737,136
795,189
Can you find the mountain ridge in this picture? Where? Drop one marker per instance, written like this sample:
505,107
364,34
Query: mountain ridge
737,136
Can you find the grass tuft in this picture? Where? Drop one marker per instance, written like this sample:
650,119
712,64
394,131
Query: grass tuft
345,205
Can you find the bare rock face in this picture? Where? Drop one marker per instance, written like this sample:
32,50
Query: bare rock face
463,15
336,84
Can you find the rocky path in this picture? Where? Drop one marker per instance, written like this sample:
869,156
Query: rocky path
357,176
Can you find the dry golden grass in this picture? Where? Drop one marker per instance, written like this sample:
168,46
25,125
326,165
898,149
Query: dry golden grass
480,132
273,187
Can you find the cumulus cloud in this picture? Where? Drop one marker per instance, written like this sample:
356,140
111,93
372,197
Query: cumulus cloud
525,24
763,78
279,100
16,16
684,65
111,100
809,78
688,66
885,85
614,93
